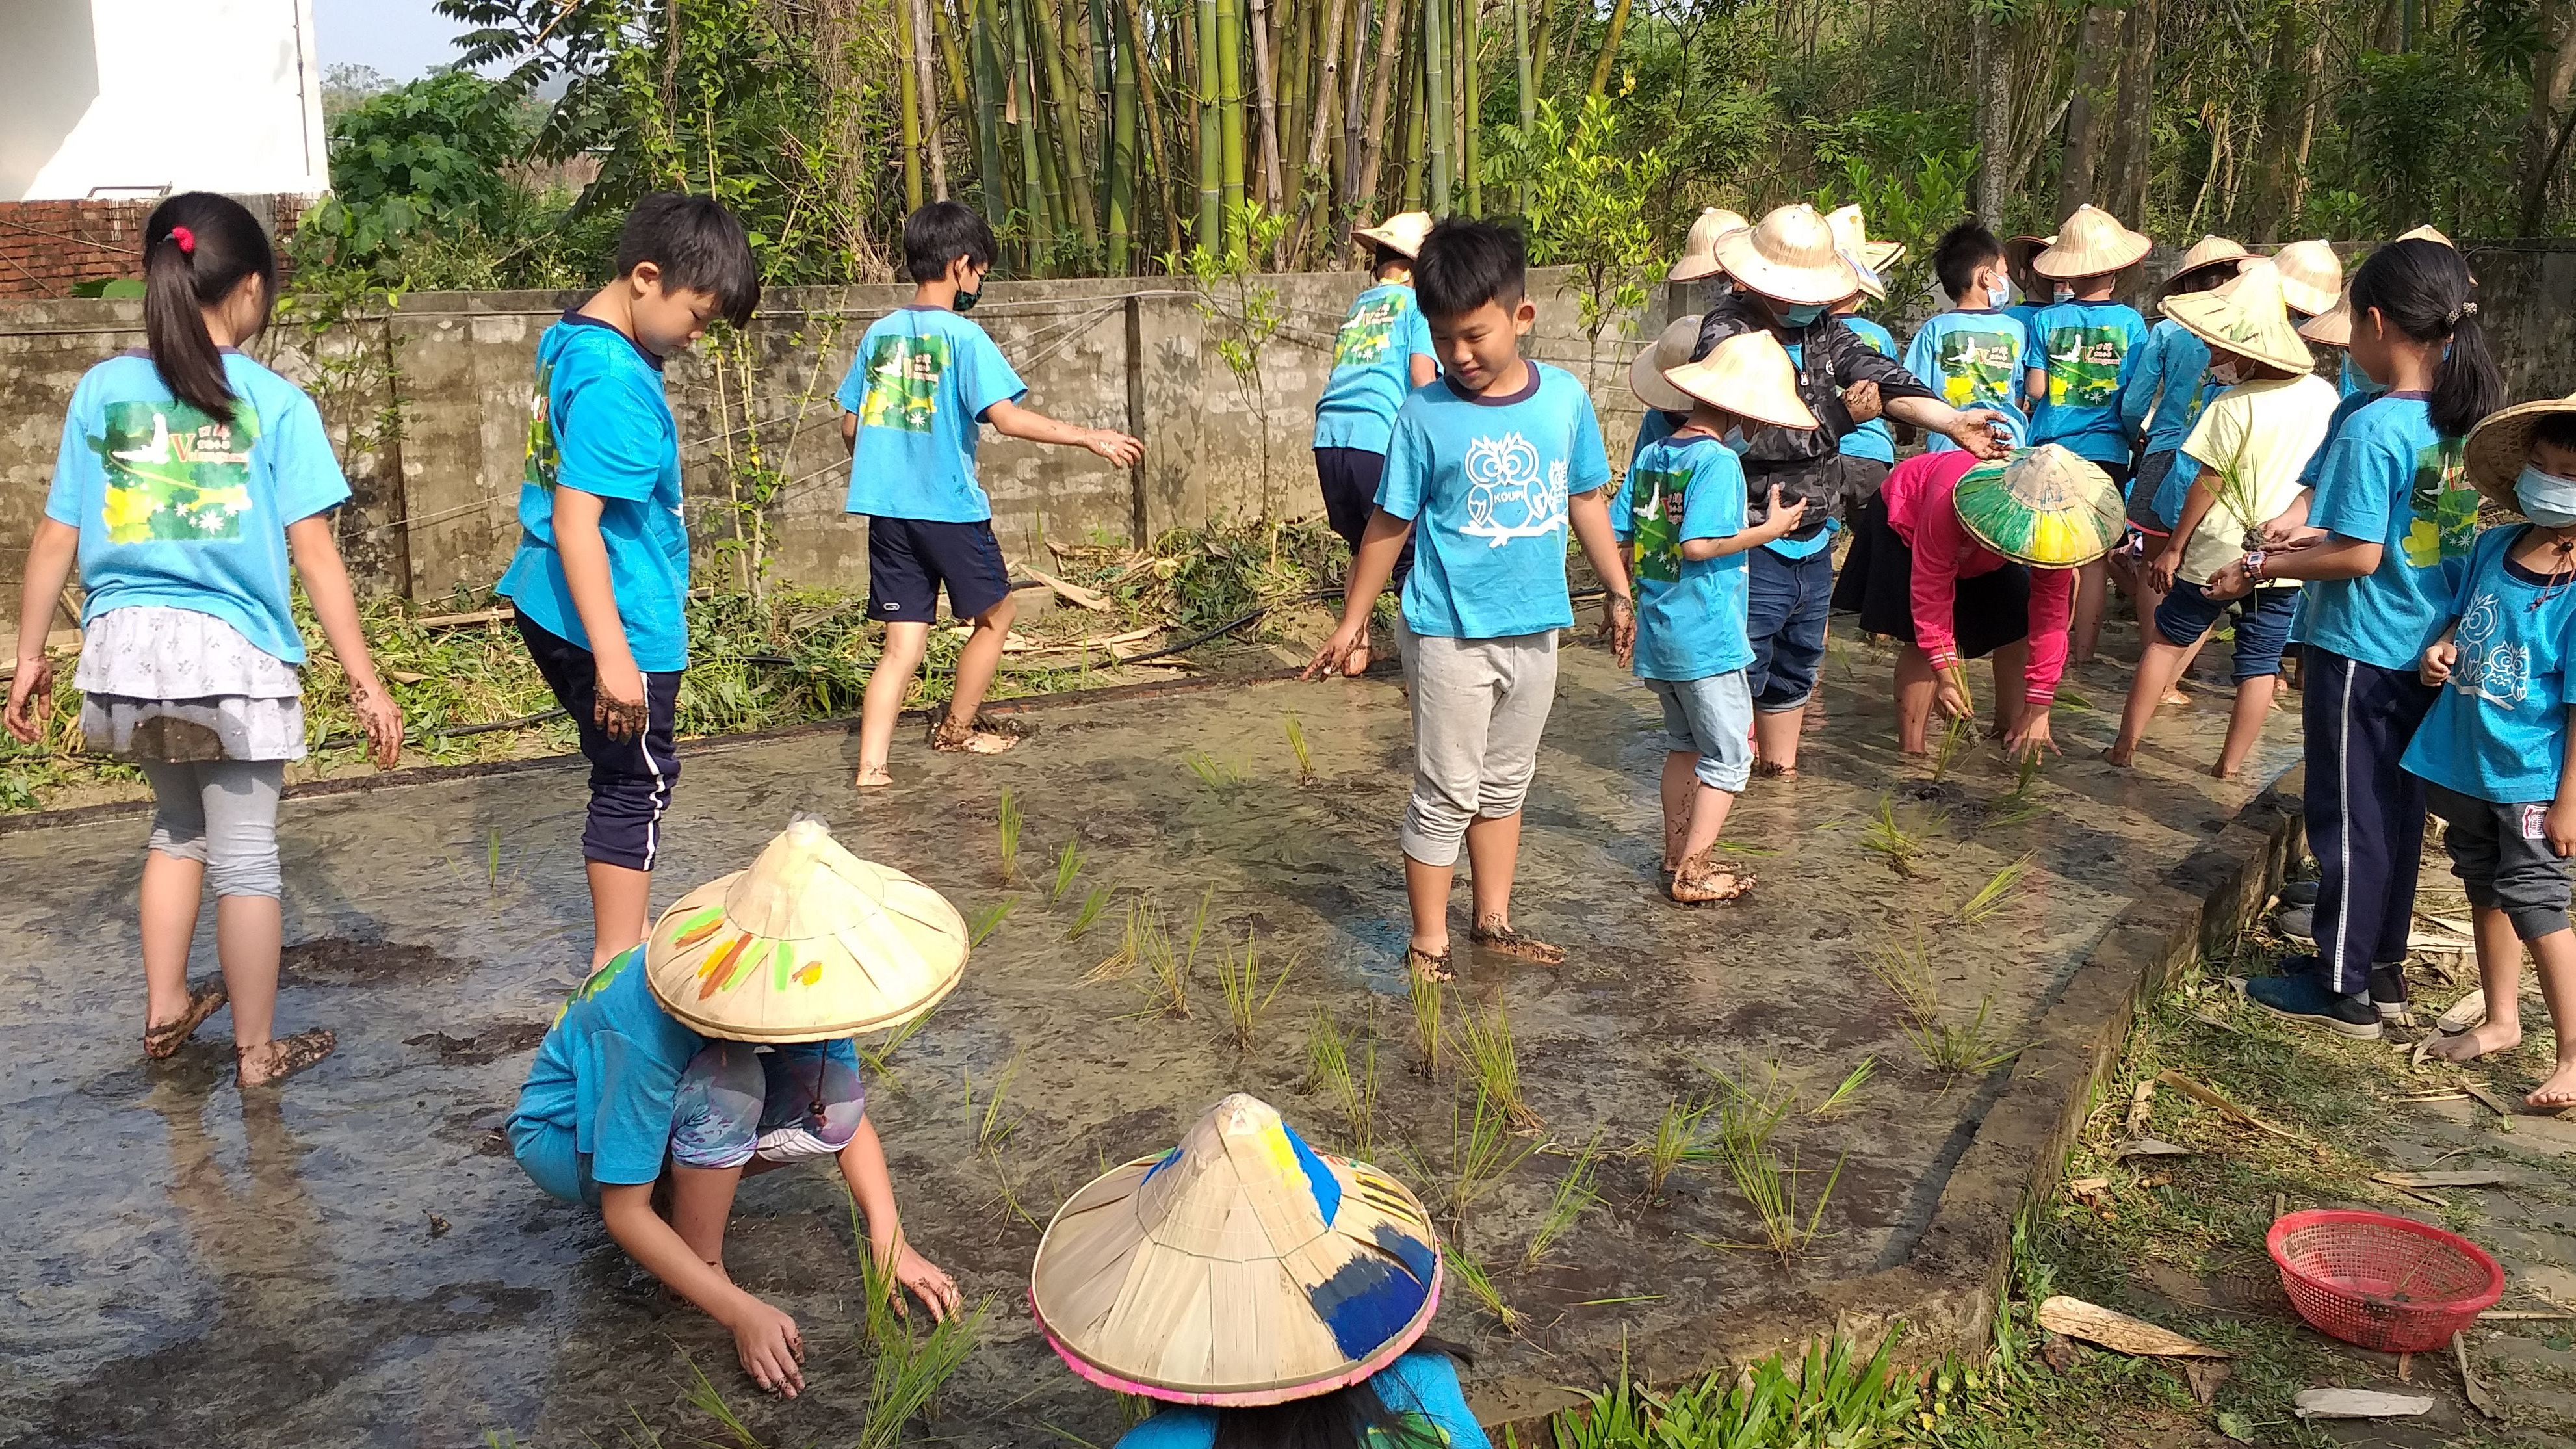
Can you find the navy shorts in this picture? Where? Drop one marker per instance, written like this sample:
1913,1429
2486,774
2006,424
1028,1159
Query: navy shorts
2262,624
630,780
910,559
1349,479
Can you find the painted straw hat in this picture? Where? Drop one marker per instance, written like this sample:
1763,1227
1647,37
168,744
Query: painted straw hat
1671,350
2500,445
808,944
2206,253
1699,249
2043,506
2089,244
2311,276
1240,1268
1871,259
1790,256
1749,375
2247,318
1403,232
2333,327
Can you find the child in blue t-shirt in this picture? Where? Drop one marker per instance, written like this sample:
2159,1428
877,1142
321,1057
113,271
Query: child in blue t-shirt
1486,470
1972,353
924,381
2080,356
2495,751
189,478
601,578
1682,507
1380,355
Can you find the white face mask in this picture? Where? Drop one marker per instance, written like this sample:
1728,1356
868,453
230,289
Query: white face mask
2227,373
2546,498
1999,296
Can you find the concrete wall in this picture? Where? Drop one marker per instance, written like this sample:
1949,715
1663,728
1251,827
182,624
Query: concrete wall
120,97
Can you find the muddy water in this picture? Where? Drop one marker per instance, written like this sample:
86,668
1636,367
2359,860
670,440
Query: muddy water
356,1260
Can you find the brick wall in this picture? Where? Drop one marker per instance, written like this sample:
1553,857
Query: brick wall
47,247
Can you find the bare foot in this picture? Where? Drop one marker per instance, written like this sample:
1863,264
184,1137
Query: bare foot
274,1061
2559,1091
974,742
2176,696
2121,755
871,779
2221,772
2479,1041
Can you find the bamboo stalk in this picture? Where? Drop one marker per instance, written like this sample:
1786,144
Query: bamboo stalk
1098,103
1134,45
992,93
1318,187
1264,102
908,87
1066,133
1471,147
1439,117
1390,51
1036,184
1211,133
1610,47
1538,55
1523,84
1346,175
1229,119
1296,101
957,83
925,85
1120,159
1417,115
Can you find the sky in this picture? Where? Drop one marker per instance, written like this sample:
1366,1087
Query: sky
400,39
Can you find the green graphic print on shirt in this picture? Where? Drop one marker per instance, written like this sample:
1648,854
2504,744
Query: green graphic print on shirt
1417,1429
1978,367
903,382
2445,506
1368,333
1658,524
175,475
2084,366
545,459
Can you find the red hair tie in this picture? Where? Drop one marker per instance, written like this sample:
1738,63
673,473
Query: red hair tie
186,239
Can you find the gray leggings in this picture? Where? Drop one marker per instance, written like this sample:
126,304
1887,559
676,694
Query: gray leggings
223,815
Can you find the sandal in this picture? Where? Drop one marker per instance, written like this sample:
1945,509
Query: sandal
1702,882
162,1042
1428,966
1503,940
291,1054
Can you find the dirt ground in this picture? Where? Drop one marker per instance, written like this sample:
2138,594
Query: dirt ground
356,1260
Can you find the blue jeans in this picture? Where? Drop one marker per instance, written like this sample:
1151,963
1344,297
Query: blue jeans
2262,627
1713,719
1788,600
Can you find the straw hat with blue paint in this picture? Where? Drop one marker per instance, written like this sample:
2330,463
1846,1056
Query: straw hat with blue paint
1239,1269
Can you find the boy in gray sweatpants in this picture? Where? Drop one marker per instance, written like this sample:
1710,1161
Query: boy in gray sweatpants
1487,469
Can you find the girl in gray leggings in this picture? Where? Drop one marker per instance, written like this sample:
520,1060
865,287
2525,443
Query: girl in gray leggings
189,476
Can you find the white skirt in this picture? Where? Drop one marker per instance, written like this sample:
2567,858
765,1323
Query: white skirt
159,683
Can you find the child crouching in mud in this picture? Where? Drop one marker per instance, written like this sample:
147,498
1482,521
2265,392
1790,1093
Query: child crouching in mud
720,1049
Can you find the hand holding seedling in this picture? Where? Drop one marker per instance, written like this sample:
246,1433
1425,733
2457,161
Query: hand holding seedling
382,719
2234,581
2029,735
927,1282
771,1349
1951,697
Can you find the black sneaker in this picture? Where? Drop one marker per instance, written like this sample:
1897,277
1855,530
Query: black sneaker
2388,993
2299,893
2305,998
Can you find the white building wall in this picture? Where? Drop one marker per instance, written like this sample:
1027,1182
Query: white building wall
126,97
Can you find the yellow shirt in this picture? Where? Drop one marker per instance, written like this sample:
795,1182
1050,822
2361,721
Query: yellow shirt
2257,436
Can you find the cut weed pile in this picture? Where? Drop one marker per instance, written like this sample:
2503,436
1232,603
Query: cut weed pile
790,657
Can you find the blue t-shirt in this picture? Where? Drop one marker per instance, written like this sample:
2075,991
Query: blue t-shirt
1421,1389
2171,379
1690,612
600,425
178,510
1871,439
2353,380
2352,403
1973,358
1372,369
1652,428
609,1070
2498,730
1485,482
920,386
2088,350
2390,479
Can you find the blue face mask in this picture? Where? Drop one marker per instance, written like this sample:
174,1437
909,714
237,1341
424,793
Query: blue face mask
2546,498
1999,296
1802,314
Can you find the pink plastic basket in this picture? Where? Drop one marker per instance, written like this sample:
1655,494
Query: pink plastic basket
2382,1282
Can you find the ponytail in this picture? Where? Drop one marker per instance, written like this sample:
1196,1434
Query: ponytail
2424,290
197,248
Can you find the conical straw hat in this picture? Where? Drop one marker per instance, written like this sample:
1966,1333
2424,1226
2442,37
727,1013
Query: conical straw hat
2426,233
2333,326
1403,232
1749,375
2208,252
1671,350
1871,259
2021,250
809,944
2501,444
2043,506
1699,249
2248,318
2311,276
1240,1268
2089,244
1789,255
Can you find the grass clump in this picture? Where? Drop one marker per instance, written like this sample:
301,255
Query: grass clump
1133,944
880,1058
1482,1154
994,1127
1216,774
1841,1098
1491,1055
911,1366
1826,1396
1952,1047
1245,995
1945,753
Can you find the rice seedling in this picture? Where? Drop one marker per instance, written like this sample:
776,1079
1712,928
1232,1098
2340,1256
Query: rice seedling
1479,1284
983,922
1426,994
910,1368
2025,775
703,1397
1482,1154
1826,1398
1496,1063
1681,1137
1954,738
2072,700
1169,968
1131,945
880,1059
1216,774
1009,825
1297,747
492,867
1245,996
1093,903
1770,1189
1995,894
1842,1097
1735,848
1888,837
1068,864
1904,967
1961,1049
1352,1092
1576,1193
